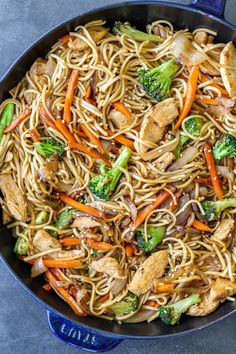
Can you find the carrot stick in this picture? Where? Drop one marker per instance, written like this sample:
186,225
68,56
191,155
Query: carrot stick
88,92
69,95
70,241
211,101
80,206
129,251
213,171
34,135
101,246
45,117
191,91
47,287
121,139
64,130
119,106
66,38
68,298
18,120
201,227
202,180
204,78
152,303
89,151
79,133
92,138
62,263
103,299
160,198
164,288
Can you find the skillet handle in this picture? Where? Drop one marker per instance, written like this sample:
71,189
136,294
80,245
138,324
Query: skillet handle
79,336
215,7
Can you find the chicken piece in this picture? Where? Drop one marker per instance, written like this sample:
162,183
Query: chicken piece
38,67
205,307
201,37
165,112
43,241
72,254
84,222
109,266
164,161
207,68
48,169
150,131
97,33
119,120
152,268
223,230
14,198
228,68
222,288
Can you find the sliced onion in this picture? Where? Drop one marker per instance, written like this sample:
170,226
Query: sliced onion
38,268
188,155
160,150
140,316
226,102
185,52
226,172
118,285
183,217
133,209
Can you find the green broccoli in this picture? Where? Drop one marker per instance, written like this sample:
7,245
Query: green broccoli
213,209
48,147
225,146
194,125
21,246
156,82
41,217
6,117
127,305
170,314
155,235
183,139
105,183
65,218
125,28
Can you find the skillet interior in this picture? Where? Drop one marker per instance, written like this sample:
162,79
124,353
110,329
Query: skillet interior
139,14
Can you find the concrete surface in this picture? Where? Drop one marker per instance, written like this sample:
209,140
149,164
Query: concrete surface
23,323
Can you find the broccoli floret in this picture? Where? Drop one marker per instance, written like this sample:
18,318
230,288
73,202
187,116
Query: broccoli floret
194,125
105,183
225,146
125,28
41,217
183,139
6,117
127,305
48,147
65,218
156,82
213,209
155,234
21,246
170,314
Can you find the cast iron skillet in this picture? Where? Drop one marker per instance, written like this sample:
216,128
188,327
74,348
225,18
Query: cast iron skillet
96,334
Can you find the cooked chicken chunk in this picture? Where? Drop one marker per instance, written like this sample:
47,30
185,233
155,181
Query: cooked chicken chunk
152,268
85,222
49,169
119,120
97,33
43,241
223,230
207,68
150,131
201,37
13,197
109,266
204,308
38,67
228,68
165,112
222,288
164,161
72,254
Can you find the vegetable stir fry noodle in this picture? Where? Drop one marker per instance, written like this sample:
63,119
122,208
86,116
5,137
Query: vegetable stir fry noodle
117,158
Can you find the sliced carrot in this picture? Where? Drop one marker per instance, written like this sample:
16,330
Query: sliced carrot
210,101
18,120
202,180
66,38
119,106
190,95
213,171
89,151
100,246
47,287
103,299
35,136
70,241
201,227
164,288
92,138
62,263
64,130
160,198
204,78
122,140
79,133
81,207
152,303
129,250
45,117
70,95
88,92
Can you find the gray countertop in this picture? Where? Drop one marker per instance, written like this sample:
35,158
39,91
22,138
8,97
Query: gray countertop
23,322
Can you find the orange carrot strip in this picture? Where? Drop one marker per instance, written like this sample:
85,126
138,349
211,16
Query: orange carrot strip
47,287
164,288
160,198
122,140
79,133
81,207
45,117
152,303
119,106
70,241
66,38
18,120
89,151
64,130
103,299
129,251
34,135
204,78
92,138
101,246
62,263
202,180
191,91
213,171
201,227
211,101
69,95
88,92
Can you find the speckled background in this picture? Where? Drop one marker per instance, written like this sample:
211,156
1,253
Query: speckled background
23,323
